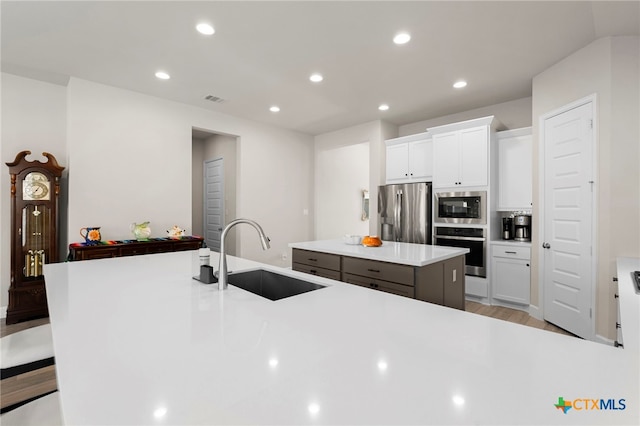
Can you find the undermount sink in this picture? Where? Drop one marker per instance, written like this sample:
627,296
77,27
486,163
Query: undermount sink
271,285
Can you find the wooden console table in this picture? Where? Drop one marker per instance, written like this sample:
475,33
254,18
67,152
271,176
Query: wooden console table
105,249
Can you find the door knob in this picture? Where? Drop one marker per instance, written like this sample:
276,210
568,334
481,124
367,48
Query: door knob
546,245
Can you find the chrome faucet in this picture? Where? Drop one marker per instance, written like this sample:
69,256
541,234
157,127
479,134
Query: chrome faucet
222,273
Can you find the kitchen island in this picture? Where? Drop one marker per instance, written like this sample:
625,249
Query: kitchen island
138,341
425,272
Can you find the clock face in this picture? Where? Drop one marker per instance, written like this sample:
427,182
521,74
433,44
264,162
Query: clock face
36,187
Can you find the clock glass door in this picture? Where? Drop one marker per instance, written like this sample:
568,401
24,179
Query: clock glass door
36,229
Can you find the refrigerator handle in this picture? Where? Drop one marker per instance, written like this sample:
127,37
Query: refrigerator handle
398,222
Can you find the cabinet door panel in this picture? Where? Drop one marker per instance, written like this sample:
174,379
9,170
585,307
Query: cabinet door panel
511,280
446,152
397,162
515,158
421,160
474,157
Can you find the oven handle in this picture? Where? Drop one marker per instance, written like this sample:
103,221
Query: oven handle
447,237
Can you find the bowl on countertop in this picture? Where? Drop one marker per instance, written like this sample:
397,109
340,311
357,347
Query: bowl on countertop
352,239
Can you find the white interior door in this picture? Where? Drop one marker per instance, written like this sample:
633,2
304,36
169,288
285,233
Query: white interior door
568,220
213,202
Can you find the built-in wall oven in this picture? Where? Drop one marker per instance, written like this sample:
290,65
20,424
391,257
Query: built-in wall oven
475,239
461,207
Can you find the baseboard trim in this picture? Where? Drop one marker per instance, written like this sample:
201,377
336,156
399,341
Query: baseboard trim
3,311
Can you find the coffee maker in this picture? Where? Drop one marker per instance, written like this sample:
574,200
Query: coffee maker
507,228
522,227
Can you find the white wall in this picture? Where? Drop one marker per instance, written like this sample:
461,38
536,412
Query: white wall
328,147
342,175
509,115
33,118
143,145
608,67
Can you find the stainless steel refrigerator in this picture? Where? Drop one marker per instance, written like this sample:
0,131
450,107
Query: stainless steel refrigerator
404,212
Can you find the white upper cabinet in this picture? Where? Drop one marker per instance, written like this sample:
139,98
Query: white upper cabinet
461,151
515,158
409,159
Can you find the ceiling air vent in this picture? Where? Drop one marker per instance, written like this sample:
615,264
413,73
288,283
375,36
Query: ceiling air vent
214,99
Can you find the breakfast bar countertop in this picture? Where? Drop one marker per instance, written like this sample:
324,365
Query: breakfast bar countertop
389,251
138,341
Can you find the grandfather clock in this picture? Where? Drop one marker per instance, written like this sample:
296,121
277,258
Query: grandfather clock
35,188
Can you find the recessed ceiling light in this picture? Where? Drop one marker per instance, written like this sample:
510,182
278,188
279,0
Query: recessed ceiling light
274,109
460,84
204,28
383,107
401,38
163,75
316,78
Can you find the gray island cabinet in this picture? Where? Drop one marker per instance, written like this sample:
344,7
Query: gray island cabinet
429,273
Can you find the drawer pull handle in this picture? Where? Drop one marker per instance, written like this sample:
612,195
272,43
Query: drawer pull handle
313,271
374,285
312,259
377,271
511,252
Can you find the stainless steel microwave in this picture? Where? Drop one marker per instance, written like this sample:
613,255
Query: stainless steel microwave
461,207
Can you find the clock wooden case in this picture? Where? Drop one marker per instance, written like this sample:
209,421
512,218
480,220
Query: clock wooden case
35,189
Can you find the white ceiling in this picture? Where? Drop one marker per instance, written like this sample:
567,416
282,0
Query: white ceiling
263,52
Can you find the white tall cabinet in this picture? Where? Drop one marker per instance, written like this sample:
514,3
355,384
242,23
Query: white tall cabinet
515,159
462,162
409,159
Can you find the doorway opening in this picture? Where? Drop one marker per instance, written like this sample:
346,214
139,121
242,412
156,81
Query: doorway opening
214,172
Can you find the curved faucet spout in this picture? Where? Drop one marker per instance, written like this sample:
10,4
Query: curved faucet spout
222,265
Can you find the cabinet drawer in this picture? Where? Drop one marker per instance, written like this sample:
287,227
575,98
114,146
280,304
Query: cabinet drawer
386,286
401,274
314,270
98,253
134,251
513,252
314,258
186,245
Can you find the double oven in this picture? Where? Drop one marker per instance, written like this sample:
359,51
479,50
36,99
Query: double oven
465,217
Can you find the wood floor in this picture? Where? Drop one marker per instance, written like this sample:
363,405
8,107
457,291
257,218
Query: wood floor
512,315
38,382
23,387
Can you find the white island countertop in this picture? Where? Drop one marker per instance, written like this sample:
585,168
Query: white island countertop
389,251
137,341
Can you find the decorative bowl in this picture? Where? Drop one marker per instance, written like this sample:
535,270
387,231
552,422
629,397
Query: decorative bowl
371,241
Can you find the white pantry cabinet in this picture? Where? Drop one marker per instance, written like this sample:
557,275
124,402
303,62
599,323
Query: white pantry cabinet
515,173
462,154
511,272
409,159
